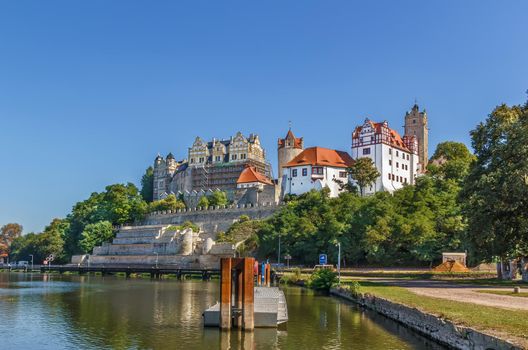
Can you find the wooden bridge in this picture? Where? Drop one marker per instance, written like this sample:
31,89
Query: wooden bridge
155,272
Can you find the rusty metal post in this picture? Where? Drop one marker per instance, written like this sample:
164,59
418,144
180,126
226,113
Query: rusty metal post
239,288
225,293
248,322
268,275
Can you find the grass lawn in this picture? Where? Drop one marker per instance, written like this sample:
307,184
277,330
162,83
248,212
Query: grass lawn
485,318
492,282
505,292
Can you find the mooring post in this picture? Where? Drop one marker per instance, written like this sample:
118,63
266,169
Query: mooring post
248,322
239,288
225,293
268,272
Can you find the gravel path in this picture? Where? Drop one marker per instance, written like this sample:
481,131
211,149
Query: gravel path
461,292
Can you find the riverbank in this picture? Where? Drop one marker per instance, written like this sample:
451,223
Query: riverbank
456,324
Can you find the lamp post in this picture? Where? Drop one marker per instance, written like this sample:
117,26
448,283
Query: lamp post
338,263
279,255
157,255
31,255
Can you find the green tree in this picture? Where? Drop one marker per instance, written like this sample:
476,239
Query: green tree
41,245
218,198
168,203
95,235
495,192
203,202
451,160
364,172
8,233
147,185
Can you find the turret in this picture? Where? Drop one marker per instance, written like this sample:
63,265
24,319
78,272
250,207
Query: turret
288,148
416,125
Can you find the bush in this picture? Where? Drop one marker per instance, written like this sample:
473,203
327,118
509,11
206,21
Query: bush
354,288
185,225
291,277
322,279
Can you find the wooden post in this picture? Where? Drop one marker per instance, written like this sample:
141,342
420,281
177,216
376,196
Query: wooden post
225,293
248,322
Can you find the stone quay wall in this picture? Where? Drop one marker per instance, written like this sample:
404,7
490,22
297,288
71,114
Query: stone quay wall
212,219
442,331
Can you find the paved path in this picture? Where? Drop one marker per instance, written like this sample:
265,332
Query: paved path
461,292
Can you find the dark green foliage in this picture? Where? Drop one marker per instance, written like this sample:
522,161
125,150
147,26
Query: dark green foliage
147,185
496,190
118,204
41,245
451,160
185,225
323,279
364,172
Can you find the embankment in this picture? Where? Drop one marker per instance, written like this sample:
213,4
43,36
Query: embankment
442,331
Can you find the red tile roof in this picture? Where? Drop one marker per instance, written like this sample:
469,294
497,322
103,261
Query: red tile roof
394,138
321,157
297,141
250,174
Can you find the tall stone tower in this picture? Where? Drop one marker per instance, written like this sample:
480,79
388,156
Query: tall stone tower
287,149
416,125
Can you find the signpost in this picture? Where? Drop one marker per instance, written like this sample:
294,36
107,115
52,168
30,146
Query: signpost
48,261
287,257
323,259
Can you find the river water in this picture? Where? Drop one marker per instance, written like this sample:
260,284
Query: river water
91,312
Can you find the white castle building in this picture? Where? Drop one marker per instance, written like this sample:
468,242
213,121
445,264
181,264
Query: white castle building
398,159
316,168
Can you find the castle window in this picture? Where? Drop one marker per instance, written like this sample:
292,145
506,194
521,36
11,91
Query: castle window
397,153
192,160
393,177
390,162
414,121
397,165
201,159
317,170
390,150
407,157
234,157
389,176
304,171
342,174
218,158
366,150
243,156
294,173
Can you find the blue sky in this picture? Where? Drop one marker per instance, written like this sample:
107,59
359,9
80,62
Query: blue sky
91,91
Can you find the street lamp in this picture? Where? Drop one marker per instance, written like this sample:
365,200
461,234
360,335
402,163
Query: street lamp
31,255
338,262
157,255
279,255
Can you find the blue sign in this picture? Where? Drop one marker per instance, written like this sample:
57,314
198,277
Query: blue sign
323,259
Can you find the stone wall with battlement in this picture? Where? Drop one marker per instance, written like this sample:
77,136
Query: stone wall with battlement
214,219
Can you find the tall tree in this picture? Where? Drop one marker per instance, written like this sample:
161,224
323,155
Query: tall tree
95,235
218,198
168,203
147,185
495,194
8,233
364,172
451,160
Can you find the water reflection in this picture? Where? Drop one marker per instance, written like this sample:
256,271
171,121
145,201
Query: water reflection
88,312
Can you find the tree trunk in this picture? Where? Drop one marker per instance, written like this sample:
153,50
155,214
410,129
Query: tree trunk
505,270
499,270
514,267
524,268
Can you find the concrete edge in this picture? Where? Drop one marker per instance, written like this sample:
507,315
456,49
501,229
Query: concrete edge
435,328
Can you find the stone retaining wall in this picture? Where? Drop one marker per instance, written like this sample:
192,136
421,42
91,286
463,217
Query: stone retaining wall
442,331
213,219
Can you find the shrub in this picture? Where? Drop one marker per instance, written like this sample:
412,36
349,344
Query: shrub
322,279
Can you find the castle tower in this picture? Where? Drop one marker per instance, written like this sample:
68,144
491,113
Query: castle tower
172,165
287,149
416,125
159,177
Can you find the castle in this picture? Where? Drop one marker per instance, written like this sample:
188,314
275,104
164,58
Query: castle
239,167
